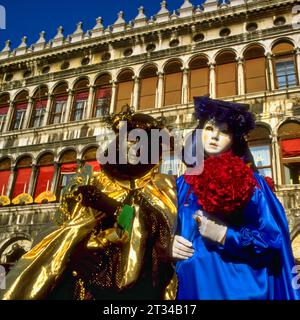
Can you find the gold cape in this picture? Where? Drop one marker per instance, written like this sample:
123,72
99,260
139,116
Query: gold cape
40,270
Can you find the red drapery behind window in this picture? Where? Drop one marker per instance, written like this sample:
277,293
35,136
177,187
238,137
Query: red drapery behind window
95,164
103,93
61,98
68,167
3,110
82,96
41,104
22,181
45,176
4,177
290,148
21,106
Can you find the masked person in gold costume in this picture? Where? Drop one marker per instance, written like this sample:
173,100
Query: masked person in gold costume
112,237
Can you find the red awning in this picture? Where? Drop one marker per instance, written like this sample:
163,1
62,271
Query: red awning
68,167
61,98
82,96
44,179
3,110
95,164
21,106
103,93
4,177
41,104
22,181
290,148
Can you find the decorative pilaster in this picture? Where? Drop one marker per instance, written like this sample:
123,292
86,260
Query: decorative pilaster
212,80
113,95
89,108
271,72
28,113
69,106
185,86
48,110
136,91
160,90
241,79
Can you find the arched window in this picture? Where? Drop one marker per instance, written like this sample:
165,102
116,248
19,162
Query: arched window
59,104
22,176
40,99
81,96
259,142
124,89
148,87
284,65
289,138
4,106
172,83
226,73
20,107
102,96
255,69
199,77
68,166
5,171
89,157
45,172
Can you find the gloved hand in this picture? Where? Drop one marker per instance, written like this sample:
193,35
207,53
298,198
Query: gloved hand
94,198
182,249
210,227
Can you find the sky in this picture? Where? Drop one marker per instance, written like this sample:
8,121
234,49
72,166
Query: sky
30,17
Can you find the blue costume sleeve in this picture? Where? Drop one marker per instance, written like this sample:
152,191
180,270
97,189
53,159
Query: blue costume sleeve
259,236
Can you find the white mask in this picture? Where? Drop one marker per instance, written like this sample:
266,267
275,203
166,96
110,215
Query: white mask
216,138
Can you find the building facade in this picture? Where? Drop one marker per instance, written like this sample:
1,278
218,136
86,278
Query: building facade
54,96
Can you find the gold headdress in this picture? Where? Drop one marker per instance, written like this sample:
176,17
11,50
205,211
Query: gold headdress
134,120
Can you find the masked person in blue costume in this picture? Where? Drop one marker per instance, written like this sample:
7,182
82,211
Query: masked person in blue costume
232,237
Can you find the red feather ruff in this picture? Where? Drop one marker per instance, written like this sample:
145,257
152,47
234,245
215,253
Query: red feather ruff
225,185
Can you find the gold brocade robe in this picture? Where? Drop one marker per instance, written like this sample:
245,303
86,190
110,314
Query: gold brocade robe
83,258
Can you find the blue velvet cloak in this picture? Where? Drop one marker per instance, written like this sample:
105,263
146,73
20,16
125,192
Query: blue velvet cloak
255,261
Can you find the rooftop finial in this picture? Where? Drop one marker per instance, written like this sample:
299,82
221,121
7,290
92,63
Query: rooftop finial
7,46
163,14
59,33
141,19
186,9
120,23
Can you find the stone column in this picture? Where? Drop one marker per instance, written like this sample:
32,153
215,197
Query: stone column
136,93
8,117
89,108
69,106
271,72
185,86
160,90
10,182
55,178
276,165
48,110
298,65
212,80
113,95
28,113
32,181
240,78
